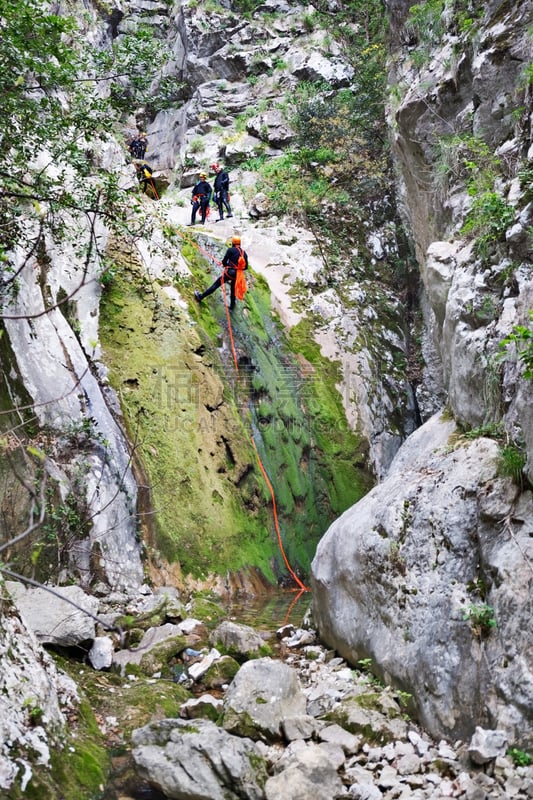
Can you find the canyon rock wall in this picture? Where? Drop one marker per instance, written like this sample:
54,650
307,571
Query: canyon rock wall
430,573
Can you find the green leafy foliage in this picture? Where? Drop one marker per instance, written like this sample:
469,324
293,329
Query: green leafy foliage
520,342
468,159
481,618
512,461
247,7
487,219
127,62
528,74
512,454
338,159
426,22
467,16
520,757
492,430
60,101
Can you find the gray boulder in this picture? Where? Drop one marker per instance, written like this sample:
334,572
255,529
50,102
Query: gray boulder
35,701
313,66
198,760
157,646
428,576
205,707
263,694
486,746
52,617
271,127
237,640
372,713
308,773
101,653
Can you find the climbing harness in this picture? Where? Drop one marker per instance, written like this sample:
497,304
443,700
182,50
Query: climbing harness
197,198
147,177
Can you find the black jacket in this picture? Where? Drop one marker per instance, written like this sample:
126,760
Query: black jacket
138,147
231,258
221,182
202,188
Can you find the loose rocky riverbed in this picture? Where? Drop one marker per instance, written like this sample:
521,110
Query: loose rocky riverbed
301,724
192,704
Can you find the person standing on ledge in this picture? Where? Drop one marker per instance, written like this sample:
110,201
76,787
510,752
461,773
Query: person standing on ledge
138,146
221,188
235,261
201,195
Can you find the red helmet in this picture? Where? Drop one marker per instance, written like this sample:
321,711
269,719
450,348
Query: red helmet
215,167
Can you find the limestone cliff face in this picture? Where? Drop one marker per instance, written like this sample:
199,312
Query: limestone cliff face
224,69
430,574
236,80
461,137
51,369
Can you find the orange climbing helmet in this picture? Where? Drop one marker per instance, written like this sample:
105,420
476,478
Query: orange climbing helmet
236,239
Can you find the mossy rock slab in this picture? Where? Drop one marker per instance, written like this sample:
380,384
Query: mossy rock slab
220,673
159,657
240,641
361,715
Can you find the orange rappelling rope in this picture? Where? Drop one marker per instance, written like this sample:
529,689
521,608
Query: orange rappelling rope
267,481
153,187
302,586
230,329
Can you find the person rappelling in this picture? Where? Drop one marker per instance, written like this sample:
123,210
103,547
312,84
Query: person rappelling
144,174
235,262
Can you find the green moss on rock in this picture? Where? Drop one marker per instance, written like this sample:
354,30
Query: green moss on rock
79,764
157,658
220,673
192,417
188,435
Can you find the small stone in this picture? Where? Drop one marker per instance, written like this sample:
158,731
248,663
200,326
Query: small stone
404,749
101,652
342,738
375,754
446,789
303,727
445,751
335,754
365,791
513,786
388,777
415,781
409,765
